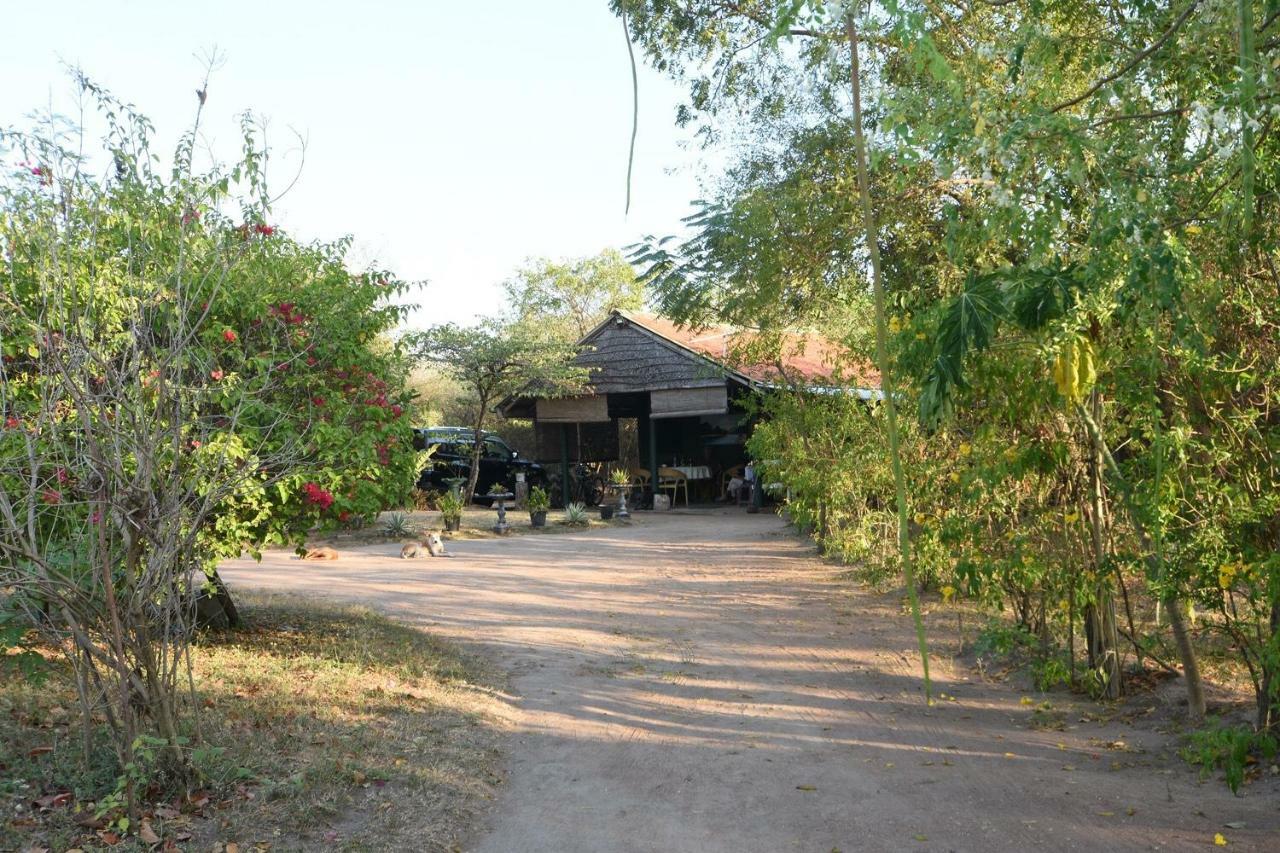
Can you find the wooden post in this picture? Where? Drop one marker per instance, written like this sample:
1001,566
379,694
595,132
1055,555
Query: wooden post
564,466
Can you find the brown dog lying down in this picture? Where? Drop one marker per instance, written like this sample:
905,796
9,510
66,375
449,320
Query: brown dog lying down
432,546
320,552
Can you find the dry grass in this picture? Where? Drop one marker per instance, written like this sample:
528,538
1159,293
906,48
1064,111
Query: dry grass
325,727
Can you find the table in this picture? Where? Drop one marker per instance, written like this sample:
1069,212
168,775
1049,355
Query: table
693,472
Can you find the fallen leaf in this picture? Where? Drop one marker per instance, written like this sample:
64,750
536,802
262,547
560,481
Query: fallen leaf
805,788
147,834
1235,824
54,800
1107,814
38,751
1010,755
232,847
921,837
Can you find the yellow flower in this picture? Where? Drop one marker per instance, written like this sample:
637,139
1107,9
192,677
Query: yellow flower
1219,840
921,336
1193,229
895,325
947,592
921,518
1071,517
1226,574
955,478
965,448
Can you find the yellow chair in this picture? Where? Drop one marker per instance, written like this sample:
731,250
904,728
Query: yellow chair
640,477
669,479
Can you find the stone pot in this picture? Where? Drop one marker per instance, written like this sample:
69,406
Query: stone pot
606,511
451,525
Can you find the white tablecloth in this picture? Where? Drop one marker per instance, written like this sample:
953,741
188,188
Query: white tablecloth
694,472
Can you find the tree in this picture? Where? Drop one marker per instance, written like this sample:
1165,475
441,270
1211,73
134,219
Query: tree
1079,243
495,359
180,381
572,297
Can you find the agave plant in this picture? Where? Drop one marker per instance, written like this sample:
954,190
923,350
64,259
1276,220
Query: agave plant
396,524
575,513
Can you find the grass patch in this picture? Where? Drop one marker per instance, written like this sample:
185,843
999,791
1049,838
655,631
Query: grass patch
322,726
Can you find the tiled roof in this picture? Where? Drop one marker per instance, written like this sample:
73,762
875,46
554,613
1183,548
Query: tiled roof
805,356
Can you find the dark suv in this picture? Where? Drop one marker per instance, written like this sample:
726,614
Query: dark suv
498,462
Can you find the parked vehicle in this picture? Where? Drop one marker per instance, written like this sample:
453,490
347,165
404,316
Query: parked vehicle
499,464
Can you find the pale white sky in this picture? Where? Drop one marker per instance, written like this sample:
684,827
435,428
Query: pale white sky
452,139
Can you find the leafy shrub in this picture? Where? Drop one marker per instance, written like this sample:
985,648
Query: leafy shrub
538,500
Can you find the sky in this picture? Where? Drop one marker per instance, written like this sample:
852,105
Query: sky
452,140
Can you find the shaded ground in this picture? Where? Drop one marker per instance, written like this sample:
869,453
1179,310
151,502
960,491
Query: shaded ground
699,682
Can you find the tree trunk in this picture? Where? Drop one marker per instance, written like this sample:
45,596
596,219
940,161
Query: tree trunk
477,450
1268,703
1100,617
1190,668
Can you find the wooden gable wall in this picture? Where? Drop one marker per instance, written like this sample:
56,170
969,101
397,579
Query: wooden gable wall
624,358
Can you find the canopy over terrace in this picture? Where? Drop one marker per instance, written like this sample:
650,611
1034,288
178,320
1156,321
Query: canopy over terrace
676,387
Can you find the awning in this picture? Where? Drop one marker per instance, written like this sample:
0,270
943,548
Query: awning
574,410
687,402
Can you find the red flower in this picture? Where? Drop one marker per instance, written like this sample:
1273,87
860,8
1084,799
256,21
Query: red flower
192,215
344,516
264,230
311,361
229,336
61,475
317,401
95,517
216,375
195,444
11,422
51,496
318,496
397,411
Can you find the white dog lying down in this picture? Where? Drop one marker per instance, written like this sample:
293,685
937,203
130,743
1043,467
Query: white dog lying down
432,546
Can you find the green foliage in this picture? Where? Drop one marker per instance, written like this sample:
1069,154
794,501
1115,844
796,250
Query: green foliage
1230,749
571,297
1079,232
451,505
576,514
538,500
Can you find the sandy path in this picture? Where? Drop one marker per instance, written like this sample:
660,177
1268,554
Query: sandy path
698,682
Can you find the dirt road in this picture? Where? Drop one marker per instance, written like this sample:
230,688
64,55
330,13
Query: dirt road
699,682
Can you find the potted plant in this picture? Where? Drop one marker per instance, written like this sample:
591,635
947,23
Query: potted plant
451,509
538,503
620,482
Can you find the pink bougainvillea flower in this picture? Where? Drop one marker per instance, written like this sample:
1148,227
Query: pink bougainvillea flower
51,496
397,411
229,336
317,401
61,475
192,215
11,422
264,230
311,361
95,517
196,444
216,375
